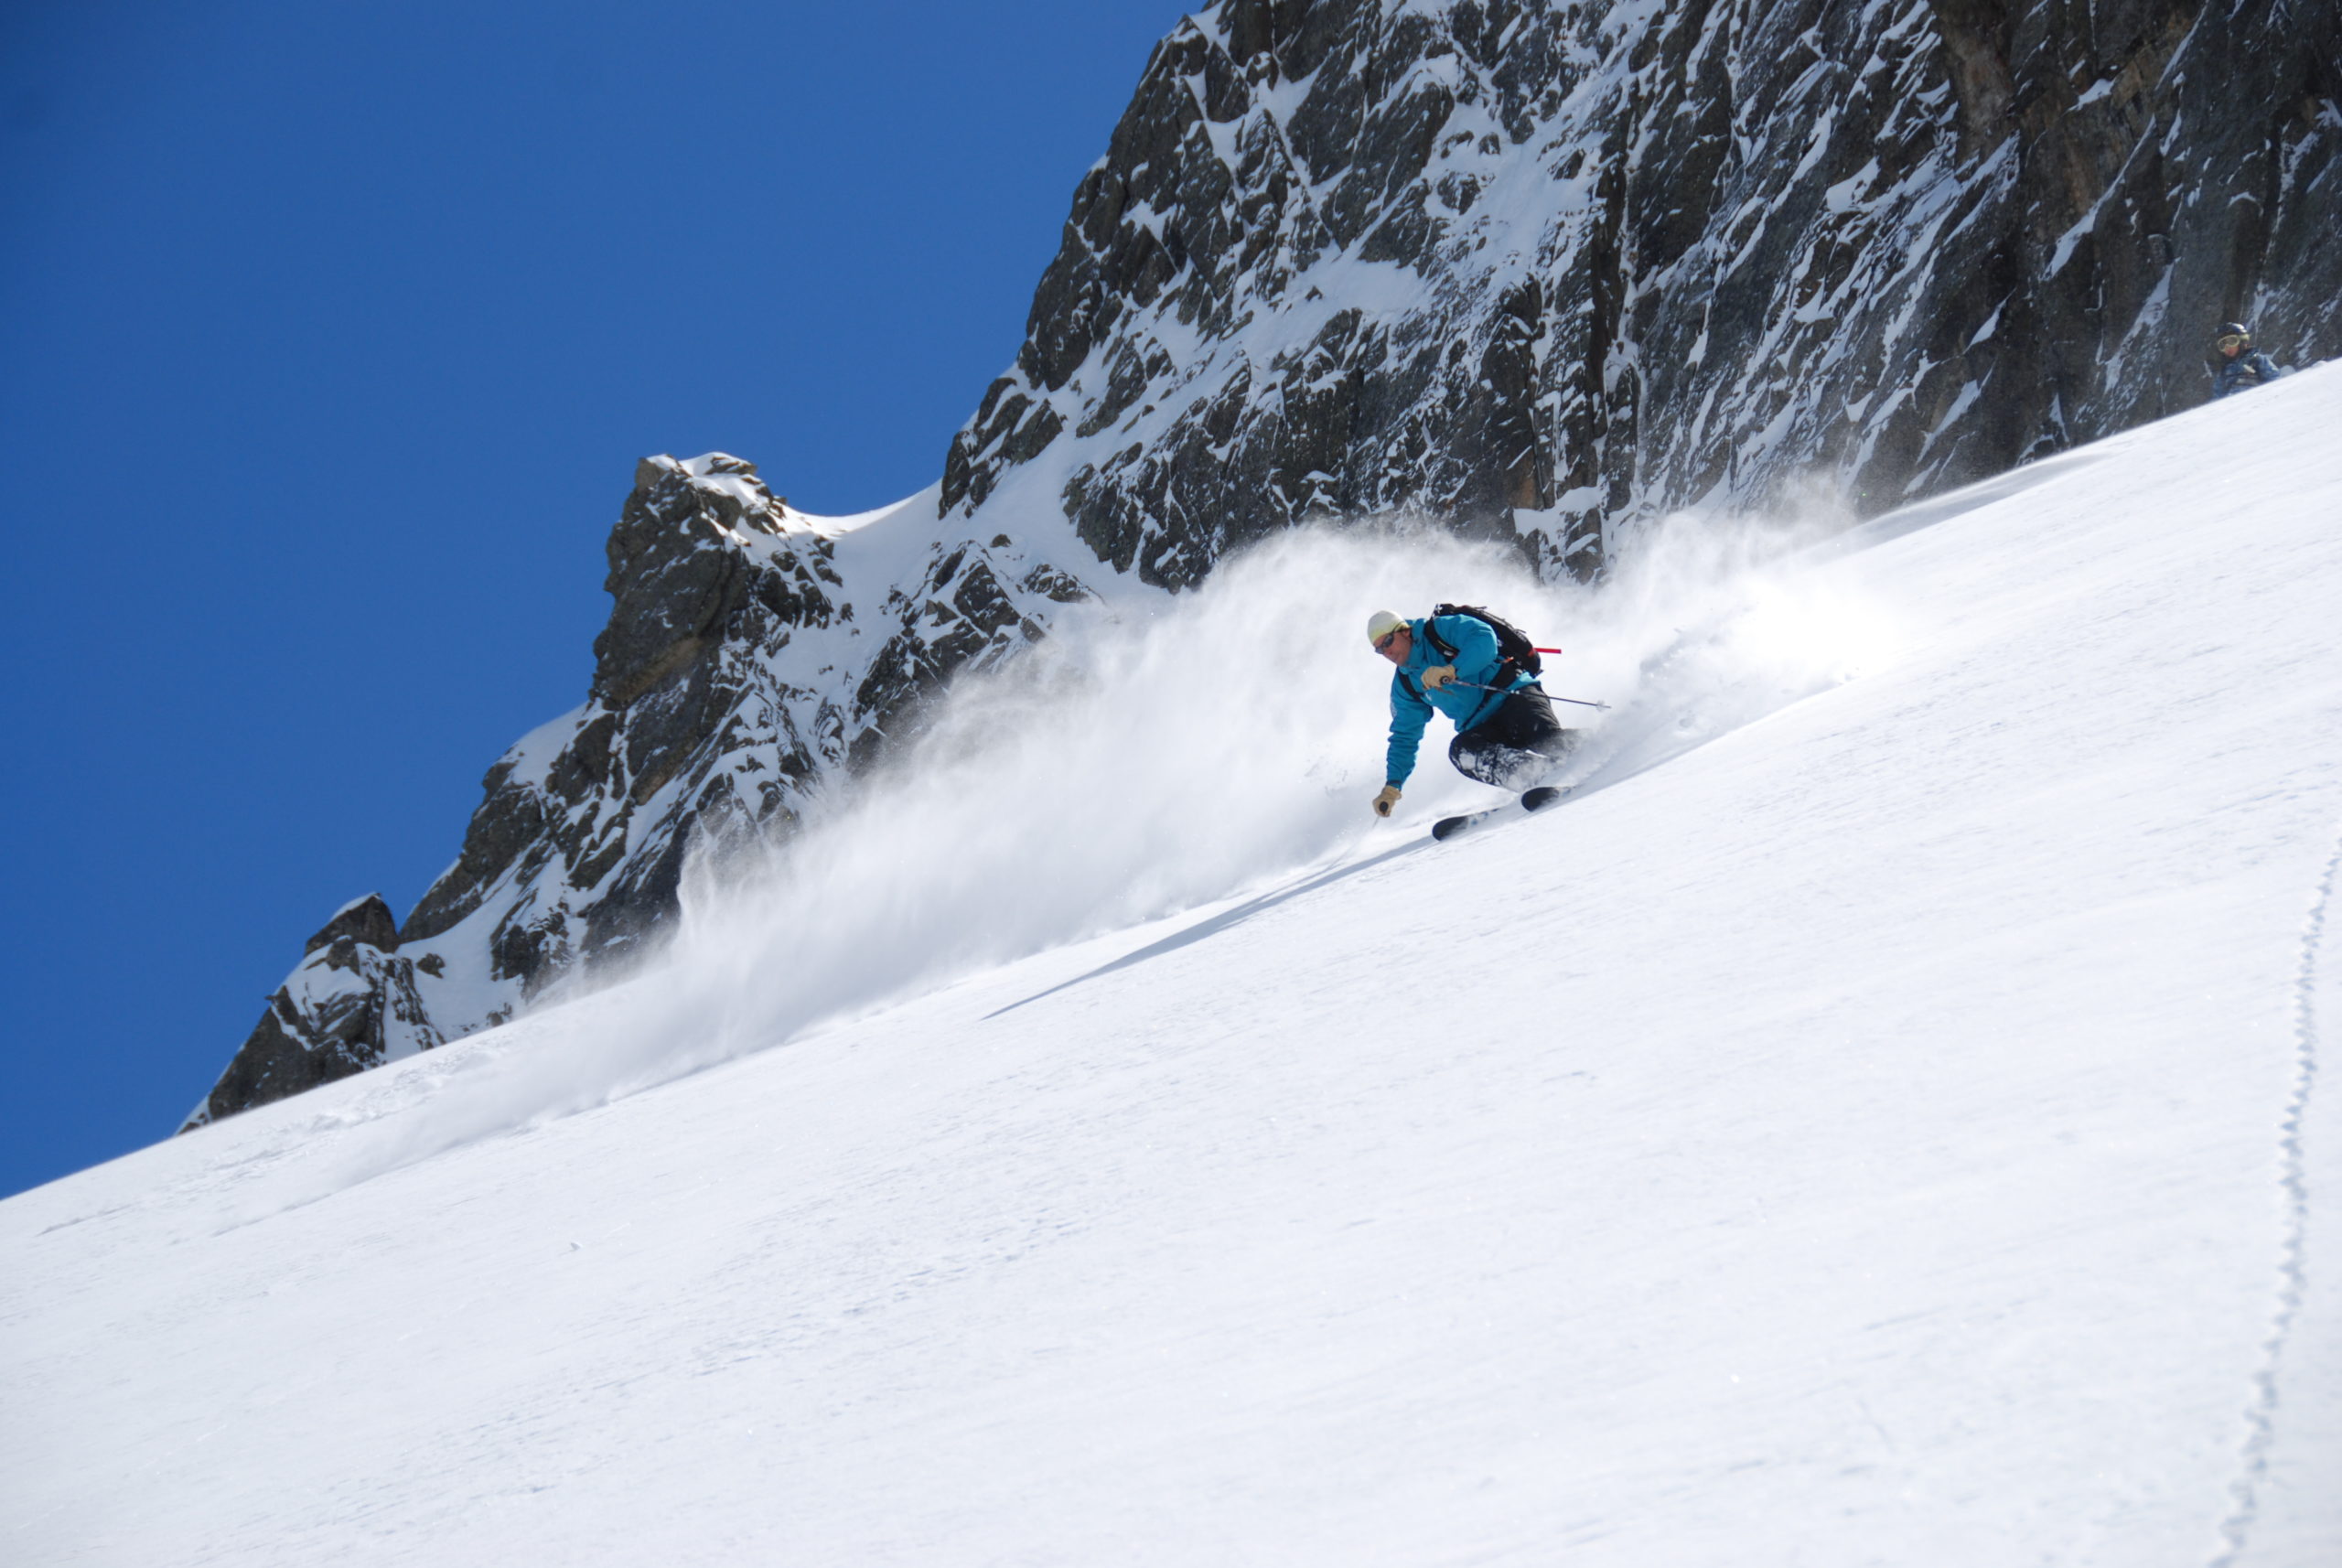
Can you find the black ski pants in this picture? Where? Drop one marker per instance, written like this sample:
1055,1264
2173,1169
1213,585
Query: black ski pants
1512,746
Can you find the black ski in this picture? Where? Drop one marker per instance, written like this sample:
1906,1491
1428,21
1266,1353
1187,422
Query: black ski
1536,799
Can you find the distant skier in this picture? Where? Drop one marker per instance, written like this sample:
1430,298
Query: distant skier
1505,728
2242,366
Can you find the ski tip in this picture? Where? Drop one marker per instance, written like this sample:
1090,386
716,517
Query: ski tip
1534,799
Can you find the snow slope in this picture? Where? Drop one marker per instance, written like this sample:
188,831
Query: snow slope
1877,1121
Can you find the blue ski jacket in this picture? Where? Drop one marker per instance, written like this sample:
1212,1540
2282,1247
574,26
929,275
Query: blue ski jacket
1477,661
2249,369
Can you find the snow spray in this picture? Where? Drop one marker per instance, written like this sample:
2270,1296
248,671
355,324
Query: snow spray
1150,756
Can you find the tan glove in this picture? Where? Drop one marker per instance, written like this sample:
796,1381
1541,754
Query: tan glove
1388,799
1438,675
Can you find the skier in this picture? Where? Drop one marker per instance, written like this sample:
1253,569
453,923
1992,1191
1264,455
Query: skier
2242,366
1505,727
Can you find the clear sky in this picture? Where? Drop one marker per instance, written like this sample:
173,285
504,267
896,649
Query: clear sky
330,336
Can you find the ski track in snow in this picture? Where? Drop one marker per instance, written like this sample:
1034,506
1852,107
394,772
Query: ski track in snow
2292,1271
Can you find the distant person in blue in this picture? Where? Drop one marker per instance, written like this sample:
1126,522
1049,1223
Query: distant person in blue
2242,366
1505,728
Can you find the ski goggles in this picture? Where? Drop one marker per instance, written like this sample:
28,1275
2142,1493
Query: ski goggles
2232,341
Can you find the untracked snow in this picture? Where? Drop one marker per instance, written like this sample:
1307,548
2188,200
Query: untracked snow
1878,1119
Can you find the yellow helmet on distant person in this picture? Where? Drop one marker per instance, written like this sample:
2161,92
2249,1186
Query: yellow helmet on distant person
1381,624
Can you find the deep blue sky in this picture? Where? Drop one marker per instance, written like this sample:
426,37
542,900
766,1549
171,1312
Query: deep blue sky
330,336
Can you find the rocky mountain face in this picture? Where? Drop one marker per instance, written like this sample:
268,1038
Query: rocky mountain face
753,653
1538,271
1542,270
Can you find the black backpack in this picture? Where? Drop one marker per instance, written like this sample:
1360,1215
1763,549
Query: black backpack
1512,644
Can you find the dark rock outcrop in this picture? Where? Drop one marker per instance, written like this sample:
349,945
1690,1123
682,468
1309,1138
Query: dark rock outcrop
368,922
352,1004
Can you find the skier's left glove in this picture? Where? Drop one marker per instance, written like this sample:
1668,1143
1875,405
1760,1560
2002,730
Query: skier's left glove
1438,675
1388,799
